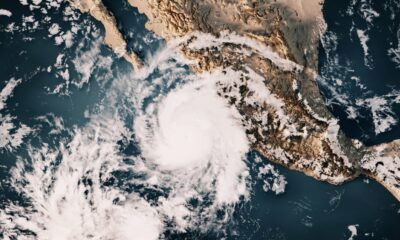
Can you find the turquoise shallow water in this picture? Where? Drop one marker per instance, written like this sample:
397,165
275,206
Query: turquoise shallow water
308,209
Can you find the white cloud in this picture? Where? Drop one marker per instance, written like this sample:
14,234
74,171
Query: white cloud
203,40
394,52
381,109
364,38
353,231
66,207
193,131
24,2
7,91
11,134
54,29
85,62
4,12
271,177
36,2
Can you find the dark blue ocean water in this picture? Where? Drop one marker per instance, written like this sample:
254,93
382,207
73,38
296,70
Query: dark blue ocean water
380,77
308,209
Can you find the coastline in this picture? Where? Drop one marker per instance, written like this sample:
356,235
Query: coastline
381,163
113,37
321,147
393,190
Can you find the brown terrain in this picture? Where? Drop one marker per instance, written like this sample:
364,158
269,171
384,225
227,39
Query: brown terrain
292,127
113,37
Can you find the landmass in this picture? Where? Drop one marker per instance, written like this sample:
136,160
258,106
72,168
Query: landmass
113,37
287,121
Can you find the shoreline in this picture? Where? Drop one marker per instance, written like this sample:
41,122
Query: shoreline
113,37
307,15
171,22
393,190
